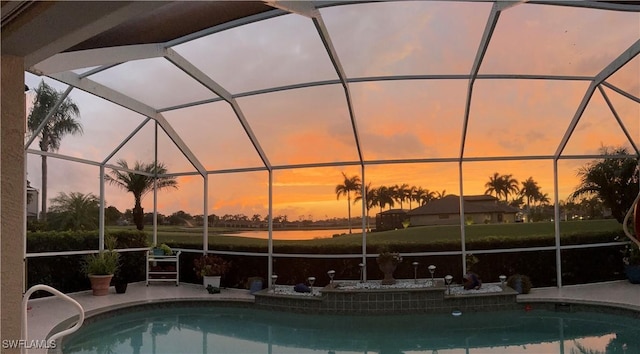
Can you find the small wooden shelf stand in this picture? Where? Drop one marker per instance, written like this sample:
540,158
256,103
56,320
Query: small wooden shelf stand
164,268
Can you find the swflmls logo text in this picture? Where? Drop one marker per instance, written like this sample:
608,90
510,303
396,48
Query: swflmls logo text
28,344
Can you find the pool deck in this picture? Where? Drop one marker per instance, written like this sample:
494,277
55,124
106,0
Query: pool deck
44,314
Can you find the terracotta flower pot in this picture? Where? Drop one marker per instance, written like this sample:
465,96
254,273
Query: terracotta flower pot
100,284
387,269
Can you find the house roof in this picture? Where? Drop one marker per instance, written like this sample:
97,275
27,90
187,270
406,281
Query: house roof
474,204
477,198
394,211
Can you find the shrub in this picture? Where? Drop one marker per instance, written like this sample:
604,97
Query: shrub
209,265
65,273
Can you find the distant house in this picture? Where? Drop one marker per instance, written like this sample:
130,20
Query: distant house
391,219
32,202
478,209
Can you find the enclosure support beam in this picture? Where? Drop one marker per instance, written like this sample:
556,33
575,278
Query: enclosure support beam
205,214
492,21
463,239
97,57
270,240
101,215
335,60
365,220
609,70
620,122
191,70
155,185
556,212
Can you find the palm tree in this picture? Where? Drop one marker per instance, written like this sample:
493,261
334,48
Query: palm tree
385,197
404,193
613,180
510,186
440,194
350,184
371,197
394,193
411,194
494,185
530,191
418,195
139,184
75,211
424,196
62,122
501,185
543,199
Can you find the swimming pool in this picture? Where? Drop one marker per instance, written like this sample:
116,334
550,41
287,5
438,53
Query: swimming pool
207,328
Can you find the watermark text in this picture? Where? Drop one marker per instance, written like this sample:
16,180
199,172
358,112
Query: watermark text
28,344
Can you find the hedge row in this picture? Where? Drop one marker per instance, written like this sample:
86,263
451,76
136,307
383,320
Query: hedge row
583,265
65,272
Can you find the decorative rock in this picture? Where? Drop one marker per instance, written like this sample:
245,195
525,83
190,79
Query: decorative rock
487,288
301,288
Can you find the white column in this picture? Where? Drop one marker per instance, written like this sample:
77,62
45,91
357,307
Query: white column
12,197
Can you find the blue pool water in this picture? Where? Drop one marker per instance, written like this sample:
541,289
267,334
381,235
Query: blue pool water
214,329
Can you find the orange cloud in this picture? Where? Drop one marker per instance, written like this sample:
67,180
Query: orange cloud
409,119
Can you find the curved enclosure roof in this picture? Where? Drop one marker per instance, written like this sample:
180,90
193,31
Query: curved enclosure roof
294,85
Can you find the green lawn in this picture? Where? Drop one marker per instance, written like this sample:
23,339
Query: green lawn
542,231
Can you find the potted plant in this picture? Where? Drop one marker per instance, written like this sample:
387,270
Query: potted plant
101,267
211,269
162,250
387,262
631,261
120,282
129,270
520,283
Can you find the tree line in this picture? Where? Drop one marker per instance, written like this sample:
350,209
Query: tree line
610,181
502,185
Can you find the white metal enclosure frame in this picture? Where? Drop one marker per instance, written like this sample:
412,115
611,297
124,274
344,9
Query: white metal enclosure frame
64,68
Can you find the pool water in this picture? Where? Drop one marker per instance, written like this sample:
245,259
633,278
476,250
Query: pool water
215,329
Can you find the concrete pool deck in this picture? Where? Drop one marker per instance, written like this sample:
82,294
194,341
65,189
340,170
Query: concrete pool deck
46,313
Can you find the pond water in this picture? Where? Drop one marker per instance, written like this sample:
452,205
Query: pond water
214,329
294,234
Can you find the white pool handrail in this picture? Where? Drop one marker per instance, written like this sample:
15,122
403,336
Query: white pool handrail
57,293
625,227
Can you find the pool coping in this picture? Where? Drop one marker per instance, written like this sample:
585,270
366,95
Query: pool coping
583,297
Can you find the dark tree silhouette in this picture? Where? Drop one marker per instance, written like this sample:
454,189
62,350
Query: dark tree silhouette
614,180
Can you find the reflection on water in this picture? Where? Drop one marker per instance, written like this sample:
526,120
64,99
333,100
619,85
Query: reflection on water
294,234
228,330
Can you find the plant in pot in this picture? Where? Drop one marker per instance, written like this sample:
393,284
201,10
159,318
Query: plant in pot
162,250
129,270
388,262
631,261
211,269
520,283
101,267
131,264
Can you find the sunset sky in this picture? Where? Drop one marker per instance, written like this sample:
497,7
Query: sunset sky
401,119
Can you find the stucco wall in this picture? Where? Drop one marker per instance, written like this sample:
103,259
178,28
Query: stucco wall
12,197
